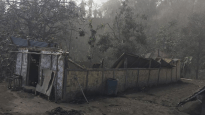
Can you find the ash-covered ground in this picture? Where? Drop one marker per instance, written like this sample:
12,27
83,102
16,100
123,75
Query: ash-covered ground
160,100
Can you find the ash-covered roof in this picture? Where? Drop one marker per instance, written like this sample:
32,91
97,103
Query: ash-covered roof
79,66
135,61
30,43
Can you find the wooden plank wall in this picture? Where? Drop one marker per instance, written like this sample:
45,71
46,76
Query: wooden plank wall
95,80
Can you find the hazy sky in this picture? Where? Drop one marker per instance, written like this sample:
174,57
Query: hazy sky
99,1
95,1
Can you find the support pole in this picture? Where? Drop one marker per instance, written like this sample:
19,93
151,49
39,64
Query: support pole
56,80
148,78
166,75
150,62
65,77
138,73
125,66
21,66
176,71
158,75
103,83
81,89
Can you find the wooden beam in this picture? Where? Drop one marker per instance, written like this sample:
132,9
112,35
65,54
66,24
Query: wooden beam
150,62
38,53
125,63
120,63
126,73
56,80
21,65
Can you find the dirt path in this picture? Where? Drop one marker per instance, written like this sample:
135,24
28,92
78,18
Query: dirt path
155,101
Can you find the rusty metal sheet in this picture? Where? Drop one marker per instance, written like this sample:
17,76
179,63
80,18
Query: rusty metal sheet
46,87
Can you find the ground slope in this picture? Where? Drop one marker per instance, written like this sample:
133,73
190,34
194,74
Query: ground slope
160,100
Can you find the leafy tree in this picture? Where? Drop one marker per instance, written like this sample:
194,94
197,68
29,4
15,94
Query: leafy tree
82,8
6,59
126,33
193,41
39,19
110,7
44,20
168,38
90,5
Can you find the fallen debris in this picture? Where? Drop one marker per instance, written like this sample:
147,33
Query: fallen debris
60,111
6,114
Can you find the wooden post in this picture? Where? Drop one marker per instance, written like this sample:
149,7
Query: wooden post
51,62
158,76
120,63
103,83
65,76
171,75
39,69
86,87
176,71
28,68
166,75
21,63
21,66
159,72
148,78
138,73
125,63
150,60
56,80
102,63
125,66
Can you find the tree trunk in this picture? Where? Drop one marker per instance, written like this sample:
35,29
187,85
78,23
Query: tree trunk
198,59
70,41
197,73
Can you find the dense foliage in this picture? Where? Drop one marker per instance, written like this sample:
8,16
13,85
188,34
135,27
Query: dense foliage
91,32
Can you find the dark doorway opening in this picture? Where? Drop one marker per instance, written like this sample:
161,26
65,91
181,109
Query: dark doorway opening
33,70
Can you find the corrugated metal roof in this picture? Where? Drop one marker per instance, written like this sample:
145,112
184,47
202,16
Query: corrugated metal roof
175,60
156,54
168,60
25,43
88,64
135,61
19,41
37,43
165,62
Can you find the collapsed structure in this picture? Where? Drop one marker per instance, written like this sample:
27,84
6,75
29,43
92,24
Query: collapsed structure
48,68
41,66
